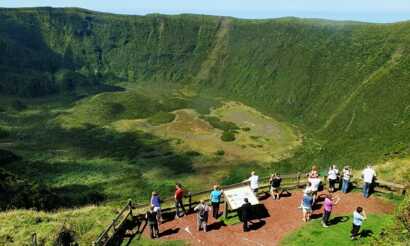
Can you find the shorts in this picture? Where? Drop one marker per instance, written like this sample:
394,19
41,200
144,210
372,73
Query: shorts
157,209
274,189
307,209
332,182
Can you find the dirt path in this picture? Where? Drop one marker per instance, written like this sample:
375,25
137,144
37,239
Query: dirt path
284,217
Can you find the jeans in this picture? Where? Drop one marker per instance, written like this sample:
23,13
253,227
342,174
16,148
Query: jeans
178,205
215,209
366,189
326,216
345,186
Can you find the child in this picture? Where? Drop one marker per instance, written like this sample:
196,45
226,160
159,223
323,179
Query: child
151,217
358,217
202,216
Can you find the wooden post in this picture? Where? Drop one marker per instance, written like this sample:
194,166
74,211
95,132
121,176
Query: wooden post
130,206
190,201
298,180
225,209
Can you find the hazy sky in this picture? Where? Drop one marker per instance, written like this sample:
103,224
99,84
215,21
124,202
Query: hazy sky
361,10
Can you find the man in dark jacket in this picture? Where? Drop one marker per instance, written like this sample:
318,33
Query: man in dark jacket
246,214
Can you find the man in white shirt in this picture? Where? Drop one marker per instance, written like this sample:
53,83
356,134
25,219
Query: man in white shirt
314,187
254,182
368,175
332,176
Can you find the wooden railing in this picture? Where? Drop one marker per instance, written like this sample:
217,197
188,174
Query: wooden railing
289,182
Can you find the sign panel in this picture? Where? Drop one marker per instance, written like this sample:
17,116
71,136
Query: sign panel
235,196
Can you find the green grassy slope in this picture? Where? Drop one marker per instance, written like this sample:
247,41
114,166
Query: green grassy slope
336,80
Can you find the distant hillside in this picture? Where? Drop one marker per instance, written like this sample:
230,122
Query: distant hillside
345,83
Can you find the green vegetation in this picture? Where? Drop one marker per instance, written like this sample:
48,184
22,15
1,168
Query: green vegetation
161,118
314,234
87,222
398,232
228,136
220,124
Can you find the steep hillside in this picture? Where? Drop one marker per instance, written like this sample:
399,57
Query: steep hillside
345,83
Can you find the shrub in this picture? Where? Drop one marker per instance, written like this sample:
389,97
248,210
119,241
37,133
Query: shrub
3,133
220,152
220,124
18,105
161,118
228,136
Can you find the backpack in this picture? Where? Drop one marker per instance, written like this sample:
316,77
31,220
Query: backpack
203,213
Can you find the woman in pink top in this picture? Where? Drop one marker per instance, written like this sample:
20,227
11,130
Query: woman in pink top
327,208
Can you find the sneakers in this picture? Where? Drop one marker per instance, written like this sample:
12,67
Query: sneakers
324,225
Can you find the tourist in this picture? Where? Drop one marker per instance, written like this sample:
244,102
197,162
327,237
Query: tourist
347,175
327,208
314,182
151,217
156,203
254,182
275,181
307,203
332,177
359,215
246,214
215,198
202,210
179,196
368,176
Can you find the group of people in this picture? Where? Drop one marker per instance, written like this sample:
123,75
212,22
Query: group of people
154,218
314,184
310,196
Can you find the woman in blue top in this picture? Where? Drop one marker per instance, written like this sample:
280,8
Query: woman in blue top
215,198
307,202
156,204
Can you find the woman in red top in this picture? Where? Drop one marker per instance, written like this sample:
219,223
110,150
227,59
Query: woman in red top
179,196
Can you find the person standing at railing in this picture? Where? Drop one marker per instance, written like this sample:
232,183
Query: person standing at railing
254,182
156,203
179,196
151,217
347,174
368,176
332,177
215,198
314,186
274,182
